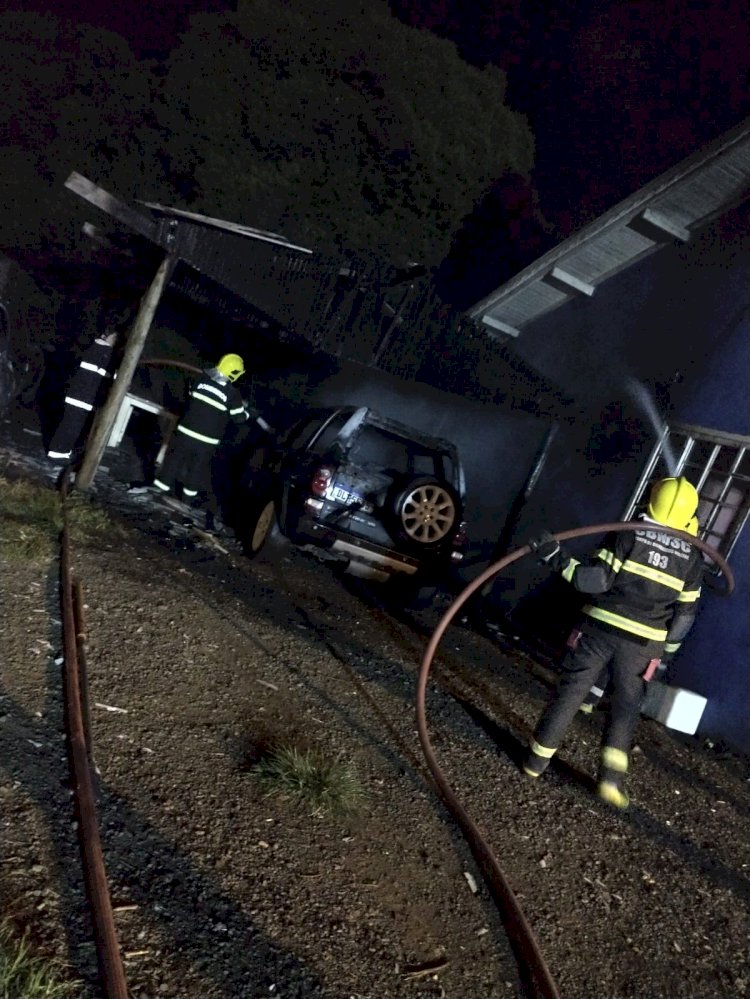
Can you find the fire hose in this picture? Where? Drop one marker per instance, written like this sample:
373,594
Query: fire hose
535,975
167,362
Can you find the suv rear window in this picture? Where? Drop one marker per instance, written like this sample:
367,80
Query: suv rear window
396,453
302,433
329,433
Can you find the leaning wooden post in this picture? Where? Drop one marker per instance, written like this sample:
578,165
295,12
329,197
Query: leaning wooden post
133,348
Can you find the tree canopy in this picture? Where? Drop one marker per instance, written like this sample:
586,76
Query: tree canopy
335,124
74,98
338,124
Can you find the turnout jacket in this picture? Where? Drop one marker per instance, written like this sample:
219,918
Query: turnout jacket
92,377
85,392
214,401
645,583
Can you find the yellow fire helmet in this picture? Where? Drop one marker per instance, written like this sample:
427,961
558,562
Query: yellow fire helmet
231,366
673,502
693,527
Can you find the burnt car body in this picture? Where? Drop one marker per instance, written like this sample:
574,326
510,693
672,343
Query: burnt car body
380,499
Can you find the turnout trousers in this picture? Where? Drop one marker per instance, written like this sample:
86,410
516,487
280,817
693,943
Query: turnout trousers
187,463
69,432
626,662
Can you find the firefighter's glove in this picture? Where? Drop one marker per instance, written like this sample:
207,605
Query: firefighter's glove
664,666
546,548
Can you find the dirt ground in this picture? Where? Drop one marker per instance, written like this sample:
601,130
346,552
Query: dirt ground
199,659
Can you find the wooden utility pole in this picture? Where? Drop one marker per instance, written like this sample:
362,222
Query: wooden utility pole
106,416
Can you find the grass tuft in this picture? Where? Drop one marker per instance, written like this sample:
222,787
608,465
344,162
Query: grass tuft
308,778
31,520
24,975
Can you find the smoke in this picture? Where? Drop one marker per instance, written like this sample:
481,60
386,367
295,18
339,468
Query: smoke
644,400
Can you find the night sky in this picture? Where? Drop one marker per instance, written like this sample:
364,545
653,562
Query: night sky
616,92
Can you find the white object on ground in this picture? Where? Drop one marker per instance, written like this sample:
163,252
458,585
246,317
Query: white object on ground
674,707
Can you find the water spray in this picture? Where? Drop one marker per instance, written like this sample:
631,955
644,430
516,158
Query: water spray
641,395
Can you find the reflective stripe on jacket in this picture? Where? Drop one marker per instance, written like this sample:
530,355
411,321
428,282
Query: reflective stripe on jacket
211,405
90,380
646,584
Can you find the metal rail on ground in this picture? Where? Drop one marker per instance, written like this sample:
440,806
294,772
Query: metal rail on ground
109,960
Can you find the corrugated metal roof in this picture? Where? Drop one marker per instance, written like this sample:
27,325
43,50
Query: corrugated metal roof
680,201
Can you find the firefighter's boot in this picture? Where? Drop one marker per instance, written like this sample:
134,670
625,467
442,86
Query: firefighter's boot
614,766
537,759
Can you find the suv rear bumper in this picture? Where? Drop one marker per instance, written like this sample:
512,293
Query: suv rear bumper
363,557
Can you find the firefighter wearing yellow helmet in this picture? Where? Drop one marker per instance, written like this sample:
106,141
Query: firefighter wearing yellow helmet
231,366
644,586
596,692
673,502
214,401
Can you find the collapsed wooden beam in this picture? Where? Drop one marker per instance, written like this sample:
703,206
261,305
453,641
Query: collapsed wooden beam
105,201
105,418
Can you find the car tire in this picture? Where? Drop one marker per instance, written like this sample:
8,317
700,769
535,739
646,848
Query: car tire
259,521
425,512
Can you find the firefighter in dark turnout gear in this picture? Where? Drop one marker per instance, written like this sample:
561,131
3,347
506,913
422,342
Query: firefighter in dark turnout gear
214,401
86,391
594,696
644,586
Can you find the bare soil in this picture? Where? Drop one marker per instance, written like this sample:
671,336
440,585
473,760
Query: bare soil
199,659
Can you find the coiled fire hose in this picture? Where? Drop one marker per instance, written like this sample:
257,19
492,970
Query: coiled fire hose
535,975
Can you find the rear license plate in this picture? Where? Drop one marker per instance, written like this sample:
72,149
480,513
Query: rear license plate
339,495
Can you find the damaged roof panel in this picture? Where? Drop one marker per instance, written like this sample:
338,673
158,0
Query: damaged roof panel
235,227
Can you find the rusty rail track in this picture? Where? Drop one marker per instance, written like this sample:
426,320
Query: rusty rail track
75,691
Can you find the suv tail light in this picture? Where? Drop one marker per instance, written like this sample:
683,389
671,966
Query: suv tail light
321,480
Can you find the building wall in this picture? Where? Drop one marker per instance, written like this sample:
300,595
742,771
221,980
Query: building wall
715,660
679,316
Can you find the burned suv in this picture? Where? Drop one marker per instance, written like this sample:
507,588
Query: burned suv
382,499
